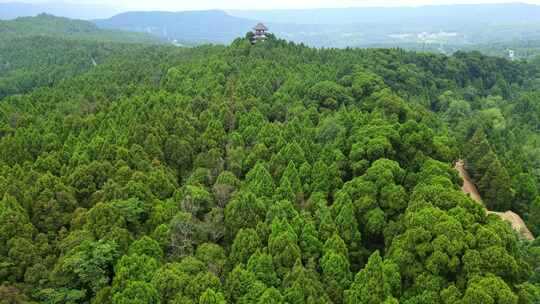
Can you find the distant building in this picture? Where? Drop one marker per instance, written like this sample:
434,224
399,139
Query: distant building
259,33
512,55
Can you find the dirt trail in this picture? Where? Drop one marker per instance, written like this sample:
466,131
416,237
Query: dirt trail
469,188
517,223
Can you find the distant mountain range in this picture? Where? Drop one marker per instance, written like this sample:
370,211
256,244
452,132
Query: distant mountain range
12,10
430,27
185,27
440,15
356,27
439,25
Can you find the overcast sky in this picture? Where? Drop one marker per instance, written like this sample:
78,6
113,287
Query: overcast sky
262,4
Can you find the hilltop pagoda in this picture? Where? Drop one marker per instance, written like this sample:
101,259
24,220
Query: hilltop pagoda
259,33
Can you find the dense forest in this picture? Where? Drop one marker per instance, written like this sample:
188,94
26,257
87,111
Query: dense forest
270,173
47,25
43,50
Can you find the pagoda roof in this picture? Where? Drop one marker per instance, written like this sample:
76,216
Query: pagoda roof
260,27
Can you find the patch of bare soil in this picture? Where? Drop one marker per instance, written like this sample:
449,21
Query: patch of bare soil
470,189
517,223
468,186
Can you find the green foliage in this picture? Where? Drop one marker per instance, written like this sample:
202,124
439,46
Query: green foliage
211,297
49,25
137,292
246,243
534,216
87,266
244,211
14,222
491,290
43,50
283,246
213,256
132,273
267,173
146,246
328,94
378,282
262,265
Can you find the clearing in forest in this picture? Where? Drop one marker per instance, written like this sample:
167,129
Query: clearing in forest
469,188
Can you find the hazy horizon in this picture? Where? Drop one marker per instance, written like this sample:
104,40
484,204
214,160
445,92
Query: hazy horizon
168,5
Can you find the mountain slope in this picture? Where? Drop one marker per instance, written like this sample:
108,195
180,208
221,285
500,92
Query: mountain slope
433,15
270,173
49,25
438,28
190,26
43,50
12,10
435,28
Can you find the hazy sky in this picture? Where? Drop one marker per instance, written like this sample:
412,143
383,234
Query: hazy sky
262,4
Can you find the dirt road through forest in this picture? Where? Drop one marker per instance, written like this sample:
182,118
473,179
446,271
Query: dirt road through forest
469,188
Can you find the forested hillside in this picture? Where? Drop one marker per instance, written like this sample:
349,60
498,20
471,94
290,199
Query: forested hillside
43,50
271,173
49,25
13,9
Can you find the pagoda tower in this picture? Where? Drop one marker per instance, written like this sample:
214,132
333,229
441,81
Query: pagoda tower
259,33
